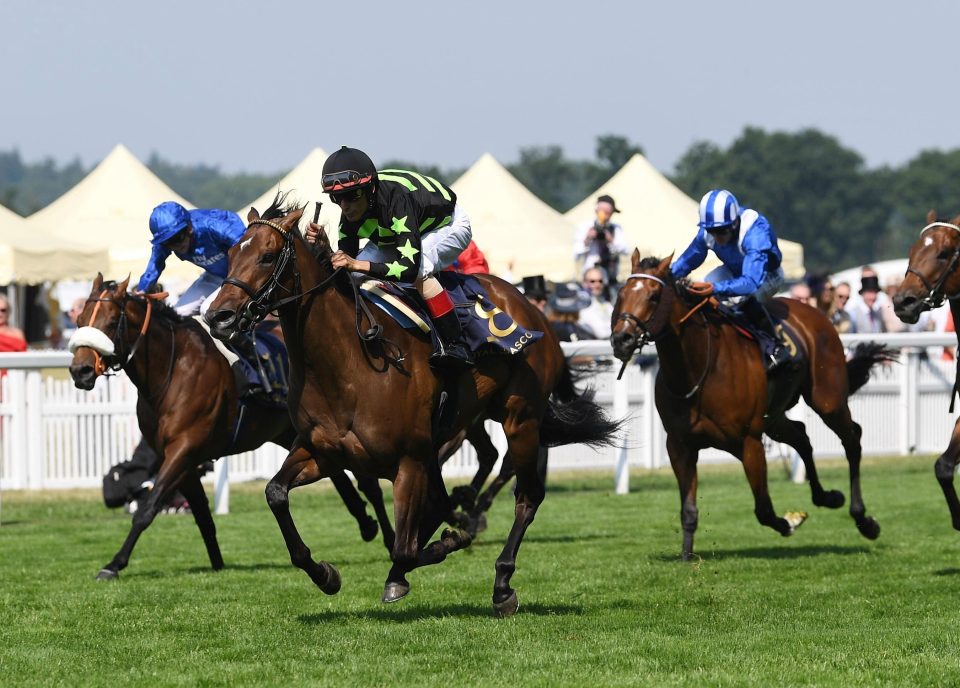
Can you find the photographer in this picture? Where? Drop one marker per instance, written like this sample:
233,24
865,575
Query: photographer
601,243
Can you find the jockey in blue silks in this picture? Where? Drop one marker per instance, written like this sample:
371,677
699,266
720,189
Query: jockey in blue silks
201,237
751,274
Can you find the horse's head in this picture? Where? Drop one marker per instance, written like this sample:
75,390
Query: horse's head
642,311
262,262
98,342
932,274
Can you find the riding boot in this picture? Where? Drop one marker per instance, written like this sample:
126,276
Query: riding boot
452,354
775,353
244,346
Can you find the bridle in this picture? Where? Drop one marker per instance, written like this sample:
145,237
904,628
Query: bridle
935,296
259,301
110,364
654,327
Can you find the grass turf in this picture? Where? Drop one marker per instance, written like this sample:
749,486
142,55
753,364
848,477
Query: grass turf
604,597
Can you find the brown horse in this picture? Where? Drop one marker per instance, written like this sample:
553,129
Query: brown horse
366,400
711,390
932,278
188,408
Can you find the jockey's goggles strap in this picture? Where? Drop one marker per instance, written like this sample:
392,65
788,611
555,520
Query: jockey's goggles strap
940,224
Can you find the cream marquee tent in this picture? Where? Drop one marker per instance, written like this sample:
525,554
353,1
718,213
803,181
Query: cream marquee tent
109,210
658,218
29,258
517,232
304,184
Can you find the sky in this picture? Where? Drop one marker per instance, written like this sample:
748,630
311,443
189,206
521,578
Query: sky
254,86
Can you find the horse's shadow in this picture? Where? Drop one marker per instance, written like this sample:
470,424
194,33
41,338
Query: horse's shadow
772,553
416,613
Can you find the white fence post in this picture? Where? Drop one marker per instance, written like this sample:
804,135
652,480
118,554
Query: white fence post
221,489
621,407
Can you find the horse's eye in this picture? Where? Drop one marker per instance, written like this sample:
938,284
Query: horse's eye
944,254
268,258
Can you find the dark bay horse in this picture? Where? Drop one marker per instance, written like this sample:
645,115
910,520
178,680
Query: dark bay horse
367,402
187,408
932,278
711,390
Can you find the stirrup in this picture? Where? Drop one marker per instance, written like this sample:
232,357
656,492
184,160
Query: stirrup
452,355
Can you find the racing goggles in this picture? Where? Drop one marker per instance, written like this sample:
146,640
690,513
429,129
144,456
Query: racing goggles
344,179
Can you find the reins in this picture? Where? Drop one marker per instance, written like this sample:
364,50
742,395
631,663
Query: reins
258,304
654,327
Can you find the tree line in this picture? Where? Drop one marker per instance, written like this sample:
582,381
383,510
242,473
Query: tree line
813,189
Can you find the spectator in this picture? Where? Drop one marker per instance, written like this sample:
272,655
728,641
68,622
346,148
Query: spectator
867,316
534,287
596,317
11,338
893,324
601,242
801,292
838,314
565,305
821,292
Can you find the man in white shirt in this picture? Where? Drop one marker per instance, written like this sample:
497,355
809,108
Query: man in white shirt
596,316
601,242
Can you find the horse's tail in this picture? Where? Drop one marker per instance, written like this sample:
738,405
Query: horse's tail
573,417
865,356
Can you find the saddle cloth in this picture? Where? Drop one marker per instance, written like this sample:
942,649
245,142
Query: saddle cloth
486,328
273,359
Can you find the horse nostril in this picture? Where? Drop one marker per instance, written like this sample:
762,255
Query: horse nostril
221,318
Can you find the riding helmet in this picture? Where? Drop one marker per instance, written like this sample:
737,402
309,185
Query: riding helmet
166,220
348,168
718,208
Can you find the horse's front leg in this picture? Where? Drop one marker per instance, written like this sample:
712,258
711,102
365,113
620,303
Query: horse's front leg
465,496
421,504
193,490
300,468
754,461
683,461
168,480
371,488
355,505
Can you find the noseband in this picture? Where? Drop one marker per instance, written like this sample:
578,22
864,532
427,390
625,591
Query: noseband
935,296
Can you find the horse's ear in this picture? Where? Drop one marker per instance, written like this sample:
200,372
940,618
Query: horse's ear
122,287
252,215
293,217
931,216
635,261
955,220
97,282
665,264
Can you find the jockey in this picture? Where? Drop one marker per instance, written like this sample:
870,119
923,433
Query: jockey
201,237
745,242
415,229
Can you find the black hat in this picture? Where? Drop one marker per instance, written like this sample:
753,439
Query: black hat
348,168
534,286
869,283
569,298
608,199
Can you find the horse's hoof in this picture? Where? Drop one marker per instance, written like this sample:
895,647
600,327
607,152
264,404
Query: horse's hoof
106,575
369,529
794,519
332,586
395,590
479,524
869,528
508,607
832,499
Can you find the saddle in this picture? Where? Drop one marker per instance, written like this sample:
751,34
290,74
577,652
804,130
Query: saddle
487,330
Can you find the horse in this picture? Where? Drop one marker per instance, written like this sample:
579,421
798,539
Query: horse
365,398
188,408
932,278
712,391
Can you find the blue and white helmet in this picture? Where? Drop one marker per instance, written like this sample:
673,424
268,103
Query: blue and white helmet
718,208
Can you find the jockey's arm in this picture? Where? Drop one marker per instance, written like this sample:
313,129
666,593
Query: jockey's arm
155,266
692,258
751,277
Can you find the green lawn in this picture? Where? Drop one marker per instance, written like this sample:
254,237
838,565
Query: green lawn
604,598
